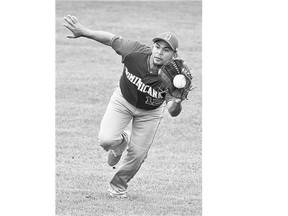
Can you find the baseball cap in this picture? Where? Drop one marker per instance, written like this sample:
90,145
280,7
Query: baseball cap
169,38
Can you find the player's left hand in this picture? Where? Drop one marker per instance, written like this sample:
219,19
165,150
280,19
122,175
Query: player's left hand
167,73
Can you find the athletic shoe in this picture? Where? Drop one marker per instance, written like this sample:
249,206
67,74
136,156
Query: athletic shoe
115,154
116,194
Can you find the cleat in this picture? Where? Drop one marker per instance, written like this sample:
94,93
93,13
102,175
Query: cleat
113,193
118,195
114,155
113,159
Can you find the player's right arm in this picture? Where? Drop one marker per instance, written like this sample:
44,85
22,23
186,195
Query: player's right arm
78,30
122,46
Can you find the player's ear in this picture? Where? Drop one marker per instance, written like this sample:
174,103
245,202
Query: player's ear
175,55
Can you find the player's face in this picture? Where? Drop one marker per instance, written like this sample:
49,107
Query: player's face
161,52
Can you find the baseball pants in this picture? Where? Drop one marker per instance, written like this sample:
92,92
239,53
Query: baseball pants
145,123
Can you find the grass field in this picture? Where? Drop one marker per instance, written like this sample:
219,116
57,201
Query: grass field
170,180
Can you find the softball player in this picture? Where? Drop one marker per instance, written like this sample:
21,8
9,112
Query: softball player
138,98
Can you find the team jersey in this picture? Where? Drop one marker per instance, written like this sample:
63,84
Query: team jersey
138,85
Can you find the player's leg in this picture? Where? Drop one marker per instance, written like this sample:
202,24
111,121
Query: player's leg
116,118
144,128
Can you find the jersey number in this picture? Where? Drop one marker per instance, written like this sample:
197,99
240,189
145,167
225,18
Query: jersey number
153,101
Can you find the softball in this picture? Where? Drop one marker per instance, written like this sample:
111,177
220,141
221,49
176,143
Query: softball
179,81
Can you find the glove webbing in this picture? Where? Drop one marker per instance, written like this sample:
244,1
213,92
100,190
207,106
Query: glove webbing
175,67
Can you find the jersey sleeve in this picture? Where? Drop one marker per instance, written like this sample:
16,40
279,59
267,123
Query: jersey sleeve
124,47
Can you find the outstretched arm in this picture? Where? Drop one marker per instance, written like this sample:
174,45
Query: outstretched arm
78,30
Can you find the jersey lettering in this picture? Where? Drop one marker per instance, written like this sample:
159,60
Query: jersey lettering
143,87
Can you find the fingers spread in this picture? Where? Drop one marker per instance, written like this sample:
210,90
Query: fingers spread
67,26
68,20
74,19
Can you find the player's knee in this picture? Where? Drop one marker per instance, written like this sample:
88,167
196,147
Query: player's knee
106,141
